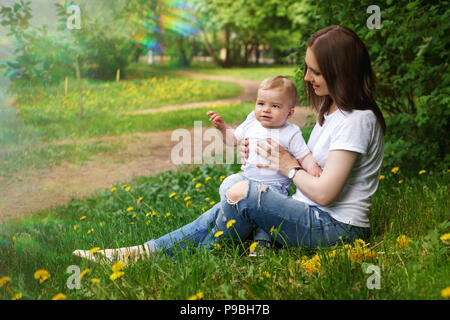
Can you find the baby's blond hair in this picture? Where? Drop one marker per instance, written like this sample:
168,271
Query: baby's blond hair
281,82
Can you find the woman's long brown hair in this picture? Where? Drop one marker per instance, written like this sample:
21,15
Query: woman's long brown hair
345,65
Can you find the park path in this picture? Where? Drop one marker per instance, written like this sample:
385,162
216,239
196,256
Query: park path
143,154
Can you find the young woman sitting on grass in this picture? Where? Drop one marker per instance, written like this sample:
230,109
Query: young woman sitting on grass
347,142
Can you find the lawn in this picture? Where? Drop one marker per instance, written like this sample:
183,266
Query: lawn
249,73
128,214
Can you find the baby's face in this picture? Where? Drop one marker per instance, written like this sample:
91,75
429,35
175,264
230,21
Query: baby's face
273,107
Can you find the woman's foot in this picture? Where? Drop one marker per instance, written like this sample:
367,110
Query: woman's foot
126,254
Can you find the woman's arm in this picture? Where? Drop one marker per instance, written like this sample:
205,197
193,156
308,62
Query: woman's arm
324,189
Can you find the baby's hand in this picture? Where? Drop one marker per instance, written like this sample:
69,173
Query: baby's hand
216,120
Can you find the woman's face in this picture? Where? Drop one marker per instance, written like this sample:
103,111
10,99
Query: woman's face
313,74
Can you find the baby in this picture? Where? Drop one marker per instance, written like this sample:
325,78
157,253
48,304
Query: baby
275,104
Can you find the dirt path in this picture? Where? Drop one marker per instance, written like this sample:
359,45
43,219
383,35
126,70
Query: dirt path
145,154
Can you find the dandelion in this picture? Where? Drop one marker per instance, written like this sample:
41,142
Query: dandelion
139,200
221,178
102,224
116,275
128,188
130,209
445,238
422,171
400,181
212,203
217,246
84,273
4,280
403,241
75,227
188,204
253,246
95,280
382,177
60,296
198,185
272,230
113,189
230,223
207,198
93,250
395,170
90,230
187,198
207,179
173,194
445,293
41,275
167,215
197,296
124,186
17,296
266,274
13,238
204,208
82,218
118,266
218,234
194,179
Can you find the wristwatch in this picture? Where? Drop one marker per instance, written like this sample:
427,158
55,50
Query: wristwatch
292,172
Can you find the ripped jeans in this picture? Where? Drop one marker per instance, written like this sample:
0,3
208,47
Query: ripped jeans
293,223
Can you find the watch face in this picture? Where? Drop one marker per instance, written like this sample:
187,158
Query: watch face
291,173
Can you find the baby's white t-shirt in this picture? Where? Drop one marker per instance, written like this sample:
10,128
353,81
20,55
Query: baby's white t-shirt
357,131
289,136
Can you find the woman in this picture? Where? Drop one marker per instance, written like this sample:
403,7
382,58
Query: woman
347,142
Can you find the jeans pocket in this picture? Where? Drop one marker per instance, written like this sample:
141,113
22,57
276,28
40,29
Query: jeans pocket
320,219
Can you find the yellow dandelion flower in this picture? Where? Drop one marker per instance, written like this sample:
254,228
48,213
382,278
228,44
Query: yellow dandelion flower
41,275
118,266
212,203
445,293
272,230
403,241
139,200
445,238
359,242
128,188
102,224
207,179
188,204
204,208
116,275
395,170
400,181
194,179
82,218
266,274
173,194
221,178
17,296
113,189
230,223
4,280
197,296
218,234
167,215
95,280
187,198
422,171
90,230
253,246
130,209
75,227
124,186
84,273
198,185
13,238
93,250
382,177
207,198
217,246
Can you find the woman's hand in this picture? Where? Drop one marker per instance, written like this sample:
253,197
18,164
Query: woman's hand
280,160
243,150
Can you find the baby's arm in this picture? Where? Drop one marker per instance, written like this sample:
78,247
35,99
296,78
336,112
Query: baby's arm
226,130
308,163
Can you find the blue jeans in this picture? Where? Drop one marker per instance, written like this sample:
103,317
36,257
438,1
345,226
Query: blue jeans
296,224
231,180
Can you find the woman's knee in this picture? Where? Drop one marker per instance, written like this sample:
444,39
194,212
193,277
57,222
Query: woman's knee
237,192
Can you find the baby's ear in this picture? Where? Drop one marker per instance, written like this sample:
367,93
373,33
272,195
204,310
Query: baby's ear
291,112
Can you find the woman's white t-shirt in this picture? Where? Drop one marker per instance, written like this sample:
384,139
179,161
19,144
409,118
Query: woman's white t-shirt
357,131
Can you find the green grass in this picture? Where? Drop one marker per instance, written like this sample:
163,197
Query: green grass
417,208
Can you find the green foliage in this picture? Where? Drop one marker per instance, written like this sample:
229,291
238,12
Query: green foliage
410,58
